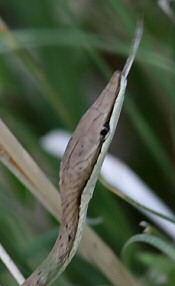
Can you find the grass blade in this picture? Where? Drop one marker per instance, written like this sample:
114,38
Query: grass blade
15,157
36,73
11,265
154,241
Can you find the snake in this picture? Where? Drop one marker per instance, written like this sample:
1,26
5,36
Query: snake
80,170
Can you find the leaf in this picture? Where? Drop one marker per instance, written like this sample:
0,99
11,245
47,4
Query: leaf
164,246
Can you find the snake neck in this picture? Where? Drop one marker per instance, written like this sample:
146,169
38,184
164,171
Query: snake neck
63,250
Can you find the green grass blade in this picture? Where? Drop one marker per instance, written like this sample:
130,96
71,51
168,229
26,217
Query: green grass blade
164,246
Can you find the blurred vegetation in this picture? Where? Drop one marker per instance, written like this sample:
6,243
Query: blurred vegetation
65,53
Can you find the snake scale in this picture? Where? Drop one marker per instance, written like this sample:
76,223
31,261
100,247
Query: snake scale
80,169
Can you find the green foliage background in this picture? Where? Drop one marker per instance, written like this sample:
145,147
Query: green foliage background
67,53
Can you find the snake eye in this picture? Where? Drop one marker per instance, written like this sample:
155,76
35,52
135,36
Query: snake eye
105,130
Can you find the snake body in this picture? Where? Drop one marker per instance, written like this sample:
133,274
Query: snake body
79,172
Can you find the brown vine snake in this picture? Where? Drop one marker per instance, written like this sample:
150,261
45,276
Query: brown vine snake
80,169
